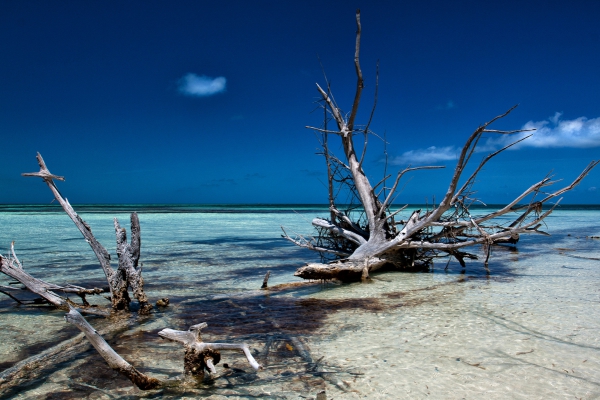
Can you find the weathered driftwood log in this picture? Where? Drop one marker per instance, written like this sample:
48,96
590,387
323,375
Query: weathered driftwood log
129,272
200,356
374,238
114,360
36,366
12,267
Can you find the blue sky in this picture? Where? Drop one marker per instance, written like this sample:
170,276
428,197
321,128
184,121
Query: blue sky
199,102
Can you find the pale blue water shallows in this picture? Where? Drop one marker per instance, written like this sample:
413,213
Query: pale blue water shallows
525,329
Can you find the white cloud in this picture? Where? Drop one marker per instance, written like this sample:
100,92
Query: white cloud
429,155
581,132
201,85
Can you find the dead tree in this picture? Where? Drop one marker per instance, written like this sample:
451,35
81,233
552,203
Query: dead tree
375,239
129,271
199,356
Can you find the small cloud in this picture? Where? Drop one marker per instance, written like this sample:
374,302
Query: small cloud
237,117
201,85
581,132
448,106
429,155
593,189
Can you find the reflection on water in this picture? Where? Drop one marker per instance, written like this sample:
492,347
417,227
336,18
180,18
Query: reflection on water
527,328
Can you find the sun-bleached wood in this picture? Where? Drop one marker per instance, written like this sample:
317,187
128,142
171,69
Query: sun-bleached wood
129,272
201,356
442,230
112,358
11,266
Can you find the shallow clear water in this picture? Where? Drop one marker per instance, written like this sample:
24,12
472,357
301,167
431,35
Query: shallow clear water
525,329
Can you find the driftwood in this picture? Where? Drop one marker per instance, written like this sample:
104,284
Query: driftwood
37,365
114,360
200,356
12,267
129,272
366,236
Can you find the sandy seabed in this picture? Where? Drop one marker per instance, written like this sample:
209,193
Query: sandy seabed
527,328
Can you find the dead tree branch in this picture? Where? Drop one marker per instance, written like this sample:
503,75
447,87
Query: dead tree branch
200,356
12,267
129,271
373,239
114,360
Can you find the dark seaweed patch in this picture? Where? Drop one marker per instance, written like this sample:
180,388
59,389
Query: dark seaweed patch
97,374
268,315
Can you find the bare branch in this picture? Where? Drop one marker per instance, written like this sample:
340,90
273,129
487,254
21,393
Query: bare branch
348,221
114,360
366,130
356,238
302,242
359,77
508,132
339,119
576,182
322,130
101,253
460,166
483,162
397,211
12,267
375,96
393,189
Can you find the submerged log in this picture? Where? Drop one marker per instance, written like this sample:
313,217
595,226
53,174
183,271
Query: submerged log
114,360
343,270
36,366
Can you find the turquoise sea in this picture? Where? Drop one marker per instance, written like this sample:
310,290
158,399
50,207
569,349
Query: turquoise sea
527,328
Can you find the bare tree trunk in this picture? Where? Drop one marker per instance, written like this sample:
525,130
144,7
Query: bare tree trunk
442,231
129,256
129,272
